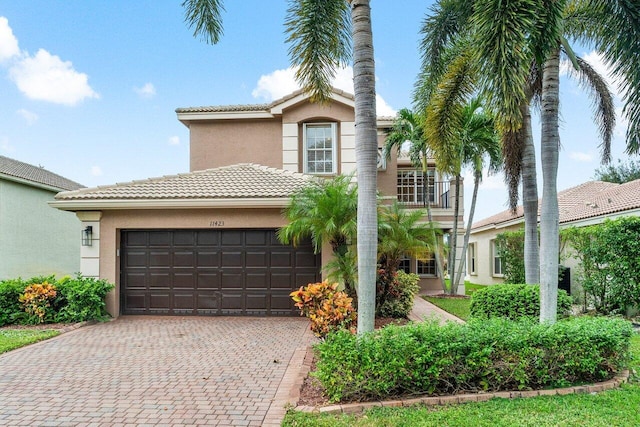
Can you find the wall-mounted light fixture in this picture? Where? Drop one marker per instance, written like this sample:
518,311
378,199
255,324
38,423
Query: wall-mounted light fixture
87,236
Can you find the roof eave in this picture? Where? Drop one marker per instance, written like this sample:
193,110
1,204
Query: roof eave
31,183
138,204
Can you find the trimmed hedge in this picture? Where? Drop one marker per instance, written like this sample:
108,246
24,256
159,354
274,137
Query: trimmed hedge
78,299
513,302
489,355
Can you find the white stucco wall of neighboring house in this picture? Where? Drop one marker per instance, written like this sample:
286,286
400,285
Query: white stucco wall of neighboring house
35,239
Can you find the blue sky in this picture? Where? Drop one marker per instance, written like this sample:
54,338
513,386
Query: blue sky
89,89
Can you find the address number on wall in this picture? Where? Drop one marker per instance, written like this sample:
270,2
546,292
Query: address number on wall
216,223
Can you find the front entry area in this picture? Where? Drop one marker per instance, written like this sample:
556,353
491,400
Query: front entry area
212,272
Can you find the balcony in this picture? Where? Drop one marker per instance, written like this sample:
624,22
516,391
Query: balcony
413,195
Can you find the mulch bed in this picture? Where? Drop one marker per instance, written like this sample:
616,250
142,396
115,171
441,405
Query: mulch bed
40,327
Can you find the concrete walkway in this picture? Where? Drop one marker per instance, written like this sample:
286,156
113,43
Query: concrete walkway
424,309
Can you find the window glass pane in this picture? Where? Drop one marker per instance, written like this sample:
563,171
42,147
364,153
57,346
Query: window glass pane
319,148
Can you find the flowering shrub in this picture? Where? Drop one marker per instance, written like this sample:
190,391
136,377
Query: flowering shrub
36,300
328,309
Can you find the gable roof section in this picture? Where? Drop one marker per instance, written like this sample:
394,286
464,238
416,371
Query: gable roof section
243,184
588,200
29,174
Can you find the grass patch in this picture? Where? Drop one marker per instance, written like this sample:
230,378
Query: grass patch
611,408
470,288
459,307
11,339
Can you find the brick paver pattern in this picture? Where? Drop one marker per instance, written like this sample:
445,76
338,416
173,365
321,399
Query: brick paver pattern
215,371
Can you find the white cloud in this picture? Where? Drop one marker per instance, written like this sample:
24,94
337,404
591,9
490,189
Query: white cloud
46,77
29,116
96,171
5,146
581,157
146,91
489,182
282,82
8,42
174,140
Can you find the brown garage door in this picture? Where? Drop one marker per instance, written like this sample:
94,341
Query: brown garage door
212,272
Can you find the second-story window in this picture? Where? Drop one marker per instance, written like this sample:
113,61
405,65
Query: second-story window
410,186
320,151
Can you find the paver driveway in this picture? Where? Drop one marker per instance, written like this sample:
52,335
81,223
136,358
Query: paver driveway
152,371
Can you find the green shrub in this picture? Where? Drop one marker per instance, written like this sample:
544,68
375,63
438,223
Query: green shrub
400,296
513,302
82,299
489,355
10,307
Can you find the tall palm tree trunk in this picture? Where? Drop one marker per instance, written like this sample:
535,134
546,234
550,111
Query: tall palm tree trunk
549,217
463,256
454,239
530,203
366,140
427,202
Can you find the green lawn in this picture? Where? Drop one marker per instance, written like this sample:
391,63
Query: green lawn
14,338
457,306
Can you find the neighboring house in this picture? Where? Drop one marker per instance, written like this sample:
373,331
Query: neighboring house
586,204
35,239
204,242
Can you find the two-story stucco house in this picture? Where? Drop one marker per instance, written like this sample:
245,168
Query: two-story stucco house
35,239
204,242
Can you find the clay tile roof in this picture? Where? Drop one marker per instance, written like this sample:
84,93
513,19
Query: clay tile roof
35,174
251,107
587,200
245,180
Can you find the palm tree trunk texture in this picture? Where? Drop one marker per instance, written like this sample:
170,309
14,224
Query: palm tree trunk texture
427,202
530,203
549,216
366,142
454,238
465,245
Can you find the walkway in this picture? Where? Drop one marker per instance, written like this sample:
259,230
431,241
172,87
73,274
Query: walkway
424,309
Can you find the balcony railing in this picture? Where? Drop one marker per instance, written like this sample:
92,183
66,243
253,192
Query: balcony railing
438,195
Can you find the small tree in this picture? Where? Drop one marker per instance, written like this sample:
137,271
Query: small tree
619,173
510,245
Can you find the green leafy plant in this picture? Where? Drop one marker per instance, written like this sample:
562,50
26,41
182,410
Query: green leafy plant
328,308
493,355
510,245
513,301
10,306
401,291
81,299
36,301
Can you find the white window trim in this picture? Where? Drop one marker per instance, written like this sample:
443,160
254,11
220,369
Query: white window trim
473,266
334,148
493,260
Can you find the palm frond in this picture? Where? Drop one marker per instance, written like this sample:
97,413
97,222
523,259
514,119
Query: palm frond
319,34
603,107
205,18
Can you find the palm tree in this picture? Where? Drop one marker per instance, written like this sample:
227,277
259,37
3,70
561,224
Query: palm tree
401,233
508,37
325,211
324,35
407,127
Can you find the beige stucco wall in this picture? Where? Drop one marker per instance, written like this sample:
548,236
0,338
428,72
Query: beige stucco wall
112,222
307,111
484,255
218,143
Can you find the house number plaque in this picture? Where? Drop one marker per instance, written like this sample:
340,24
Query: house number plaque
216,223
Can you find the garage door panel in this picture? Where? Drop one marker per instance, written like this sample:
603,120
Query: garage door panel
184,280
159,259
231,259
280,259
208,280
160,238
212,272
184,238
230,279
256,259
208,258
